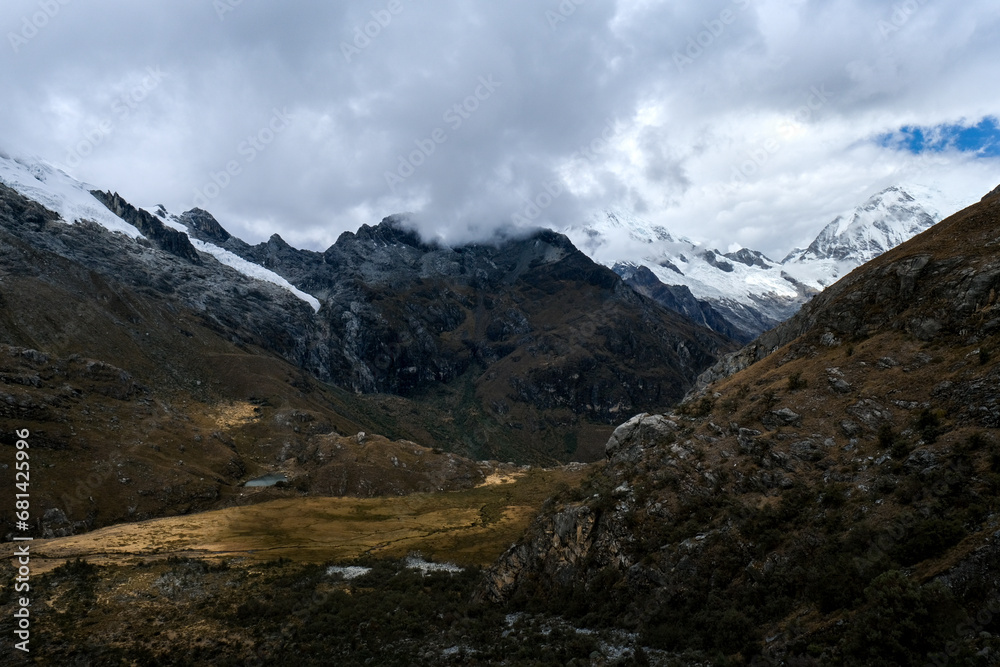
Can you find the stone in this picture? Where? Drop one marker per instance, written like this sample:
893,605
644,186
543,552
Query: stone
640,431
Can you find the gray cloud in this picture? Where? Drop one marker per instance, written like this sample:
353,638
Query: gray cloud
563,107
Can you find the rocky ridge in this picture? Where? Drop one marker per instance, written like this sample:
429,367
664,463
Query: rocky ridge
745,293
545,336
833,486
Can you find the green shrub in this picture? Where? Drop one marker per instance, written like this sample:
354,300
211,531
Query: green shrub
901,622
928,539
795,382
928,425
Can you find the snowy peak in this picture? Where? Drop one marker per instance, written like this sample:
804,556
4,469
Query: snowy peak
75,202
751,258
606,230
747,288
57,191
740,294
883,222
204,225
206,234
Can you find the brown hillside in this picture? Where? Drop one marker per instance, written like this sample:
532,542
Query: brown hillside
840,487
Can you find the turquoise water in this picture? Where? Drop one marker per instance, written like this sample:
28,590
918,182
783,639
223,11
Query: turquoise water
267,480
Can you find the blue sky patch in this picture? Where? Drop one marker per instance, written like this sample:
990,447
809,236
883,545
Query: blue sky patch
983,139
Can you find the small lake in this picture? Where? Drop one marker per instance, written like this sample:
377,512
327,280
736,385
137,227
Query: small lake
267,480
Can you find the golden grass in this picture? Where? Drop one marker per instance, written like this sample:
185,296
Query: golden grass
471,527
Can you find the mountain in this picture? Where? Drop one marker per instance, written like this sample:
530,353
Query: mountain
521,349
828,496
150,385
530,340
744,293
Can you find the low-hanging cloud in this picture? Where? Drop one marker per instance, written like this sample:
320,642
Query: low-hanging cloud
308,120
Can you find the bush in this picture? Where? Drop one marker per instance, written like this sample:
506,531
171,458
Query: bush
901,623
928,539
795,382
928,425
886,436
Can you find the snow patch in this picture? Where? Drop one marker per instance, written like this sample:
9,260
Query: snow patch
252,270
348,572
59,192
415,563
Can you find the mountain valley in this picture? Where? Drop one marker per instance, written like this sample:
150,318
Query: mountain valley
825,494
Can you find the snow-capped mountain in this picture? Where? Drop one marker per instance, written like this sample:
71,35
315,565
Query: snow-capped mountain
886,220
740,294
750,291
746,289
75,202
59,192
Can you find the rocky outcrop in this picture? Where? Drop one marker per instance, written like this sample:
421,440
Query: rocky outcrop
679,299
640,431
921,287
560,545
841,472
205,227
165,238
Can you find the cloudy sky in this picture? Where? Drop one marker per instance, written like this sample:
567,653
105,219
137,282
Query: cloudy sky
735,122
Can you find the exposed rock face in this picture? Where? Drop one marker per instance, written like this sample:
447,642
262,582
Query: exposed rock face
170,240
564,343
205,226
641,429
679,299
560,544
543,329
841,469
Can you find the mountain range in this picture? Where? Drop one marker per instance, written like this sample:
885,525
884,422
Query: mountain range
214,361
825,494
744,293
828,495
